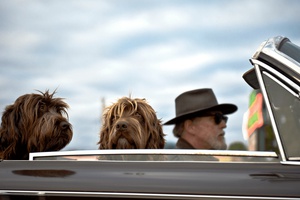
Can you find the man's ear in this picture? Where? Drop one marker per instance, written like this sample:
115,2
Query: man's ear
189,126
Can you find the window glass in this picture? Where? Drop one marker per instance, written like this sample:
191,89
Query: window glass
286,109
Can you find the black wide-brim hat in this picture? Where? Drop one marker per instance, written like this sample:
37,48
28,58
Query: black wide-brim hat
196,102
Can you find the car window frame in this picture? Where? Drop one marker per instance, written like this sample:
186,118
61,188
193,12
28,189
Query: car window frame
260,69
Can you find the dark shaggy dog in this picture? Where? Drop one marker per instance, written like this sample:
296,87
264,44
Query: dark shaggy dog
131,124
34,123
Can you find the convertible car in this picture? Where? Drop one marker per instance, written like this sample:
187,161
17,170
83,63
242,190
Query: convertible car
182,174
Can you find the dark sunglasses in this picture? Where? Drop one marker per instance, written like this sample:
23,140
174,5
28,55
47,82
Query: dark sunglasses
218,117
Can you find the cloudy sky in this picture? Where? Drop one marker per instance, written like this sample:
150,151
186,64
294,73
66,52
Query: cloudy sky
105,49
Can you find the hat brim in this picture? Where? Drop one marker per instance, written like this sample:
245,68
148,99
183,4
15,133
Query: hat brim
224,108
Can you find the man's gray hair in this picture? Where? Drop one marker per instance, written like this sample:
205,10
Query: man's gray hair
178,129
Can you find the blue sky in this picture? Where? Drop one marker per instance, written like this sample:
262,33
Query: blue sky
94,49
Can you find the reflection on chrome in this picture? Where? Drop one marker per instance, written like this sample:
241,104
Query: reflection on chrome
158,155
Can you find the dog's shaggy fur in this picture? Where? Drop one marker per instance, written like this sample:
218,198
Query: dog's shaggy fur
131,124
34,123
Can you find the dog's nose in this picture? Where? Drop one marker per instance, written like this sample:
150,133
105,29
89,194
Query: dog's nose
121,125
64,125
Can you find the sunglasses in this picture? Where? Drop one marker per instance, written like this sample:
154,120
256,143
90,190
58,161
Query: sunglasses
218,117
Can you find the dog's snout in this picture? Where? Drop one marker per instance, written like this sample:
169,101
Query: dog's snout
121,125
64,125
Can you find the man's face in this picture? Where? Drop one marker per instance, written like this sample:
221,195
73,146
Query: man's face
208,133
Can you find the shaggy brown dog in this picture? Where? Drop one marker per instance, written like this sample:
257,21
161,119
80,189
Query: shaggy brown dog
131,124
34,123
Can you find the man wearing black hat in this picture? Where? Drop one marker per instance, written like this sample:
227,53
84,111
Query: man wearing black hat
200,121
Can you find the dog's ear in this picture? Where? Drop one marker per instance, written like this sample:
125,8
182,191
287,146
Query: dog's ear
107,123
9,134
161,138
156,138
154,125
105,131
104,135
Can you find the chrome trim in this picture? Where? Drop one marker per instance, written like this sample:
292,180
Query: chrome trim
273,71
270,48
290,162
295,158
32,156
283,58
134,195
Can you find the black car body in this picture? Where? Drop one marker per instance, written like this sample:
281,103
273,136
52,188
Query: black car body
181,174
